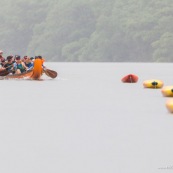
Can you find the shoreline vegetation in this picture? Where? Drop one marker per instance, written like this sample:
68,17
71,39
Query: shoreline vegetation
88,31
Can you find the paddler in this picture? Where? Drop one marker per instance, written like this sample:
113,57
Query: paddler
2,62
28,62
1,55
10,64
43,60
20,66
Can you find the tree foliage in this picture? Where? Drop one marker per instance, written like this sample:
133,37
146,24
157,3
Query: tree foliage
88,30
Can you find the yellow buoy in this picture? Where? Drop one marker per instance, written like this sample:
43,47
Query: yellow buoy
154,83
169,105
167,91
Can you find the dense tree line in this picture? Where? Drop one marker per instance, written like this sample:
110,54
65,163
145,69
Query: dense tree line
88,30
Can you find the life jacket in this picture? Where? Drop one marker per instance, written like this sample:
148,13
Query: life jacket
29,65
8,66
21,68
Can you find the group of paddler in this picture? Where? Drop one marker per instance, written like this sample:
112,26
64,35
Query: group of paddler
16,64
19,67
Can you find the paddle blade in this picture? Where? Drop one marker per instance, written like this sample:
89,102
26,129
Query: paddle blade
51,73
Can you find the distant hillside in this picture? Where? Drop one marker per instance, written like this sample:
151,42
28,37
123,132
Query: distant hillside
88,30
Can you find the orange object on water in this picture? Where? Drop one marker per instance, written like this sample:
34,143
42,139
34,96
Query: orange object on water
37,70
43,60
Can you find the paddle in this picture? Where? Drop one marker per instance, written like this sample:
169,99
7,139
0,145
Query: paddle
50,73
5,72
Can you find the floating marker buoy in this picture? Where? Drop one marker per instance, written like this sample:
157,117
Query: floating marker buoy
130,78
154,83
167,91
169,105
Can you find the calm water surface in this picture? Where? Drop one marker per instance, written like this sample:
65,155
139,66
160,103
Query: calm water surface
87,121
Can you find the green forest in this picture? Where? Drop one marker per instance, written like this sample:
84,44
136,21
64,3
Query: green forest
88,30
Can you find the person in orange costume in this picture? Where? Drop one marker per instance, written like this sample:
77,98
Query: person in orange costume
38,69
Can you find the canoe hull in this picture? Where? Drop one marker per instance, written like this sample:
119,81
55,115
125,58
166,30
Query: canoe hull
4,72
19,76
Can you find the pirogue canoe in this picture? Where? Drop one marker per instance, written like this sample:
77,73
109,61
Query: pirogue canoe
18,76
130,78
34,74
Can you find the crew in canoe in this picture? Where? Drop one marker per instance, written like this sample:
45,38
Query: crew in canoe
14,67
3,62
10,65
20,66
32,59
28,62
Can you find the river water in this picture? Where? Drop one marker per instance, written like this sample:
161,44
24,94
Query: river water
87,121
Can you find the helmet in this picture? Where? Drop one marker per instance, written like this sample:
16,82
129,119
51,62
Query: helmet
1,52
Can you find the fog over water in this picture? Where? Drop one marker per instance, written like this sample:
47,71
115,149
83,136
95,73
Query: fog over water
87,121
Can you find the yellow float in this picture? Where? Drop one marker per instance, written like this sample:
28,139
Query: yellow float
167,91
154,83
169,105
